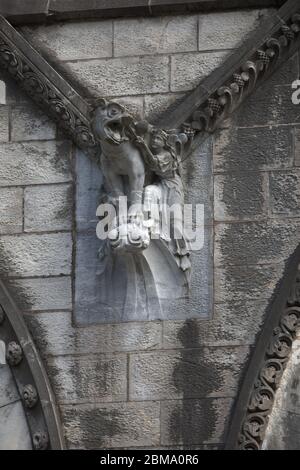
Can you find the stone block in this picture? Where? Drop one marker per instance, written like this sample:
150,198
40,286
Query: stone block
157,106
160,35
196,373
89,379
11,210
260,148
28,122
49,293
4,126
55,335
285,193
232,324
35,255
239,196
48,207
113,425
269,106
14,432
256,242
240,283
8,389
225,30
73,41
191,422
124,76
2,92
297,146
187,70
35,163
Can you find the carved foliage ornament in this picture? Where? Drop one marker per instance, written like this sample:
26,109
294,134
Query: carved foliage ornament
276,357
227,98
46,95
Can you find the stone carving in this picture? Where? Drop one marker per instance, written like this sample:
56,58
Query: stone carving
30,396
223,101
40,440
141,166
275,360
143,163
14,354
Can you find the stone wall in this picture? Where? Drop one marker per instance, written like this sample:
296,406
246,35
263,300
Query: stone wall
149,384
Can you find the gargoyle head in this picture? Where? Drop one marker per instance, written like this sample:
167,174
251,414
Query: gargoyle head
110,121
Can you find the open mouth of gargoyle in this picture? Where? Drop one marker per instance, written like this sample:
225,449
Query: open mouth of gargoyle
115,131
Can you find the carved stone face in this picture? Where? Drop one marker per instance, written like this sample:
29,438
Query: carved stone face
157,143
110,121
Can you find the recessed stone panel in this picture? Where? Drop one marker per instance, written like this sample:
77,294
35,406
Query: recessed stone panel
126,295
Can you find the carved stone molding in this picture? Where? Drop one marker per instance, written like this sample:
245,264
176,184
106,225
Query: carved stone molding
20,11
268,362
46,87
30,377
202,111
220,94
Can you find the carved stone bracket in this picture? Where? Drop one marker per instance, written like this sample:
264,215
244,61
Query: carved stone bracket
30,377
268,362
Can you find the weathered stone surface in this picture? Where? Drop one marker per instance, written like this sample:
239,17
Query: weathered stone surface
253,149
198,373
266,242
36,255
226,30
2,92
155,35
240,196
4,126
11,210
48,207
240,283
89,379
269,105
191,422
34,163
11,91
28,122
232,324
286,74
8,388
14,433
285,193
112,425
92,305
157,105
125,76
286,434
55,335
187,70
42,294
73,41
297,147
